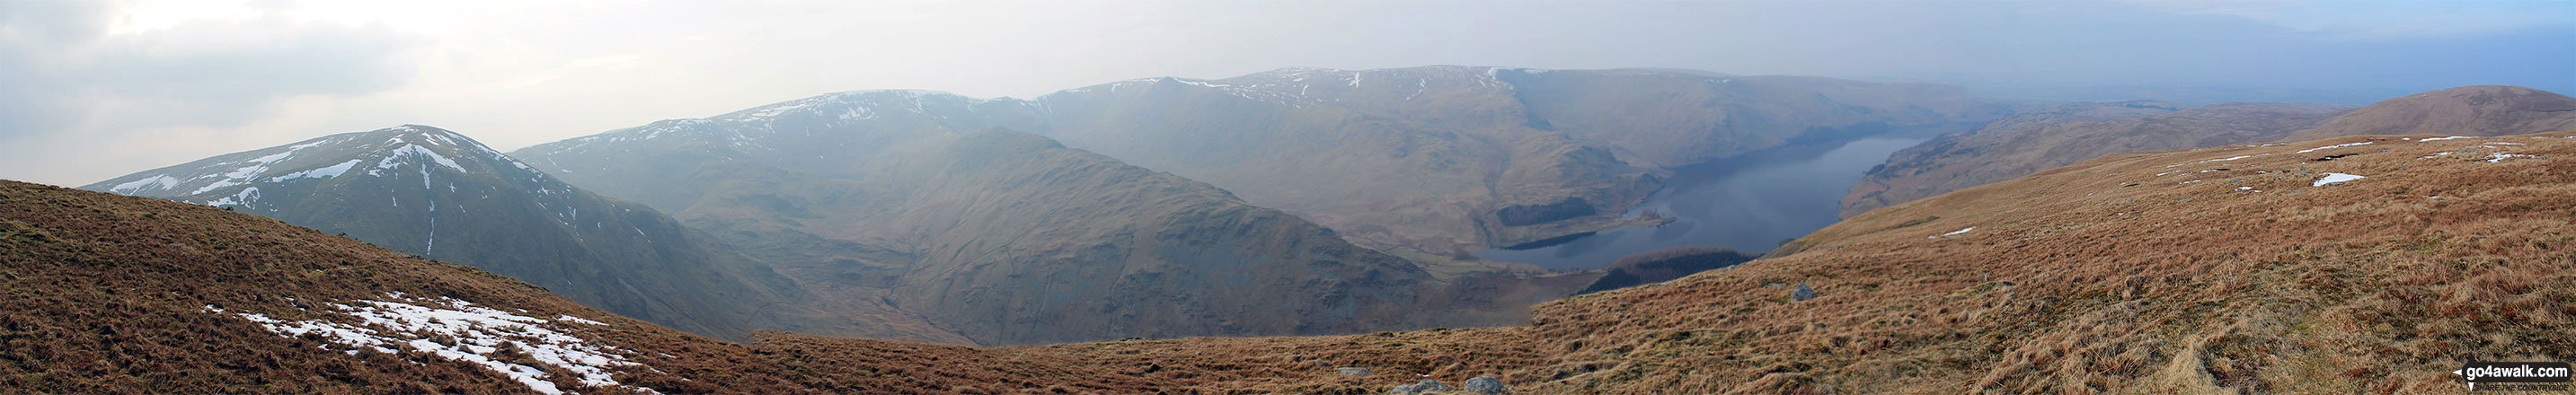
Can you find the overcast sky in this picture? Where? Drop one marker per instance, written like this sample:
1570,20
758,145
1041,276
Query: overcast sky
95,89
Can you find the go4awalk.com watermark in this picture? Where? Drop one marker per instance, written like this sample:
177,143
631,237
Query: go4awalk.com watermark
2515,376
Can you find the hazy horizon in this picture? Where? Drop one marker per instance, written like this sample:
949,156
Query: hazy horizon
101,89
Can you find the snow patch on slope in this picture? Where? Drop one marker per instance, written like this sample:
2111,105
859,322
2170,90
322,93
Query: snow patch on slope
2332,147
238,198
391,160
156,182
323,172
2335,178
2218,160
479,334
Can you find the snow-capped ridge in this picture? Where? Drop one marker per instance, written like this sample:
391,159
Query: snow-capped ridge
234,179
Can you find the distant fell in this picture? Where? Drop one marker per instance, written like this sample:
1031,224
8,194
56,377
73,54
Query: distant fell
1004,237
1453,159
2040,140
2483,110
443,196
2026,143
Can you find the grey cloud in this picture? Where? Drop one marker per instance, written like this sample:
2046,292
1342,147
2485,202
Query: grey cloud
64,72
52,21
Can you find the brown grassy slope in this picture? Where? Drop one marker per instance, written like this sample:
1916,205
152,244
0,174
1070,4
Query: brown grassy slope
2102,277
103,293
2028,143
2106,277
2481,110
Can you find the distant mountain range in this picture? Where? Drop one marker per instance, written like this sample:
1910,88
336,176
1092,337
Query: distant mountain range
1449,159
2028,143
896,197
1436,160
1007,237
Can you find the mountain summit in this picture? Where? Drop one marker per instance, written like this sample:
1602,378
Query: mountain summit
443,196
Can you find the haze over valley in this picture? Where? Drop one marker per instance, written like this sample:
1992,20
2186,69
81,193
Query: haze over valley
1311,197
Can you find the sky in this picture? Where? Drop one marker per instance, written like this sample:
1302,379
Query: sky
96,89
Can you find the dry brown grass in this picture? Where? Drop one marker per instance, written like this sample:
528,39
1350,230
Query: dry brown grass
103,293
2104,277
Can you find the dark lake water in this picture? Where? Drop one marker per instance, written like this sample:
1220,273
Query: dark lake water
1750,203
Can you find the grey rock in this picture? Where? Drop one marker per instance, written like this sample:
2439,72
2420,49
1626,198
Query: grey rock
1353,371
1426,386
1802,293
1485,385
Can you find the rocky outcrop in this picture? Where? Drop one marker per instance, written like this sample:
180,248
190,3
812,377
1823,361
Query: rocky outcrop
1424,387
1486,385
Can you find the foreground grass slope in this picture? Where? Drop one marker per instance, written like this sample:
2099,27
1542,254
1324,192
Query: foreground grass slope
2192,271
111,294
117,294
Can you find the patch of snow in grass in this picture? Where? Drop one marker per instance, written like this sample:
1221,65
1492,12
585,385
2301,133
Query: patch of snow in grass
2492,158
2217,160
1954,233
478,333
2450,138
2335,178
2332,147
